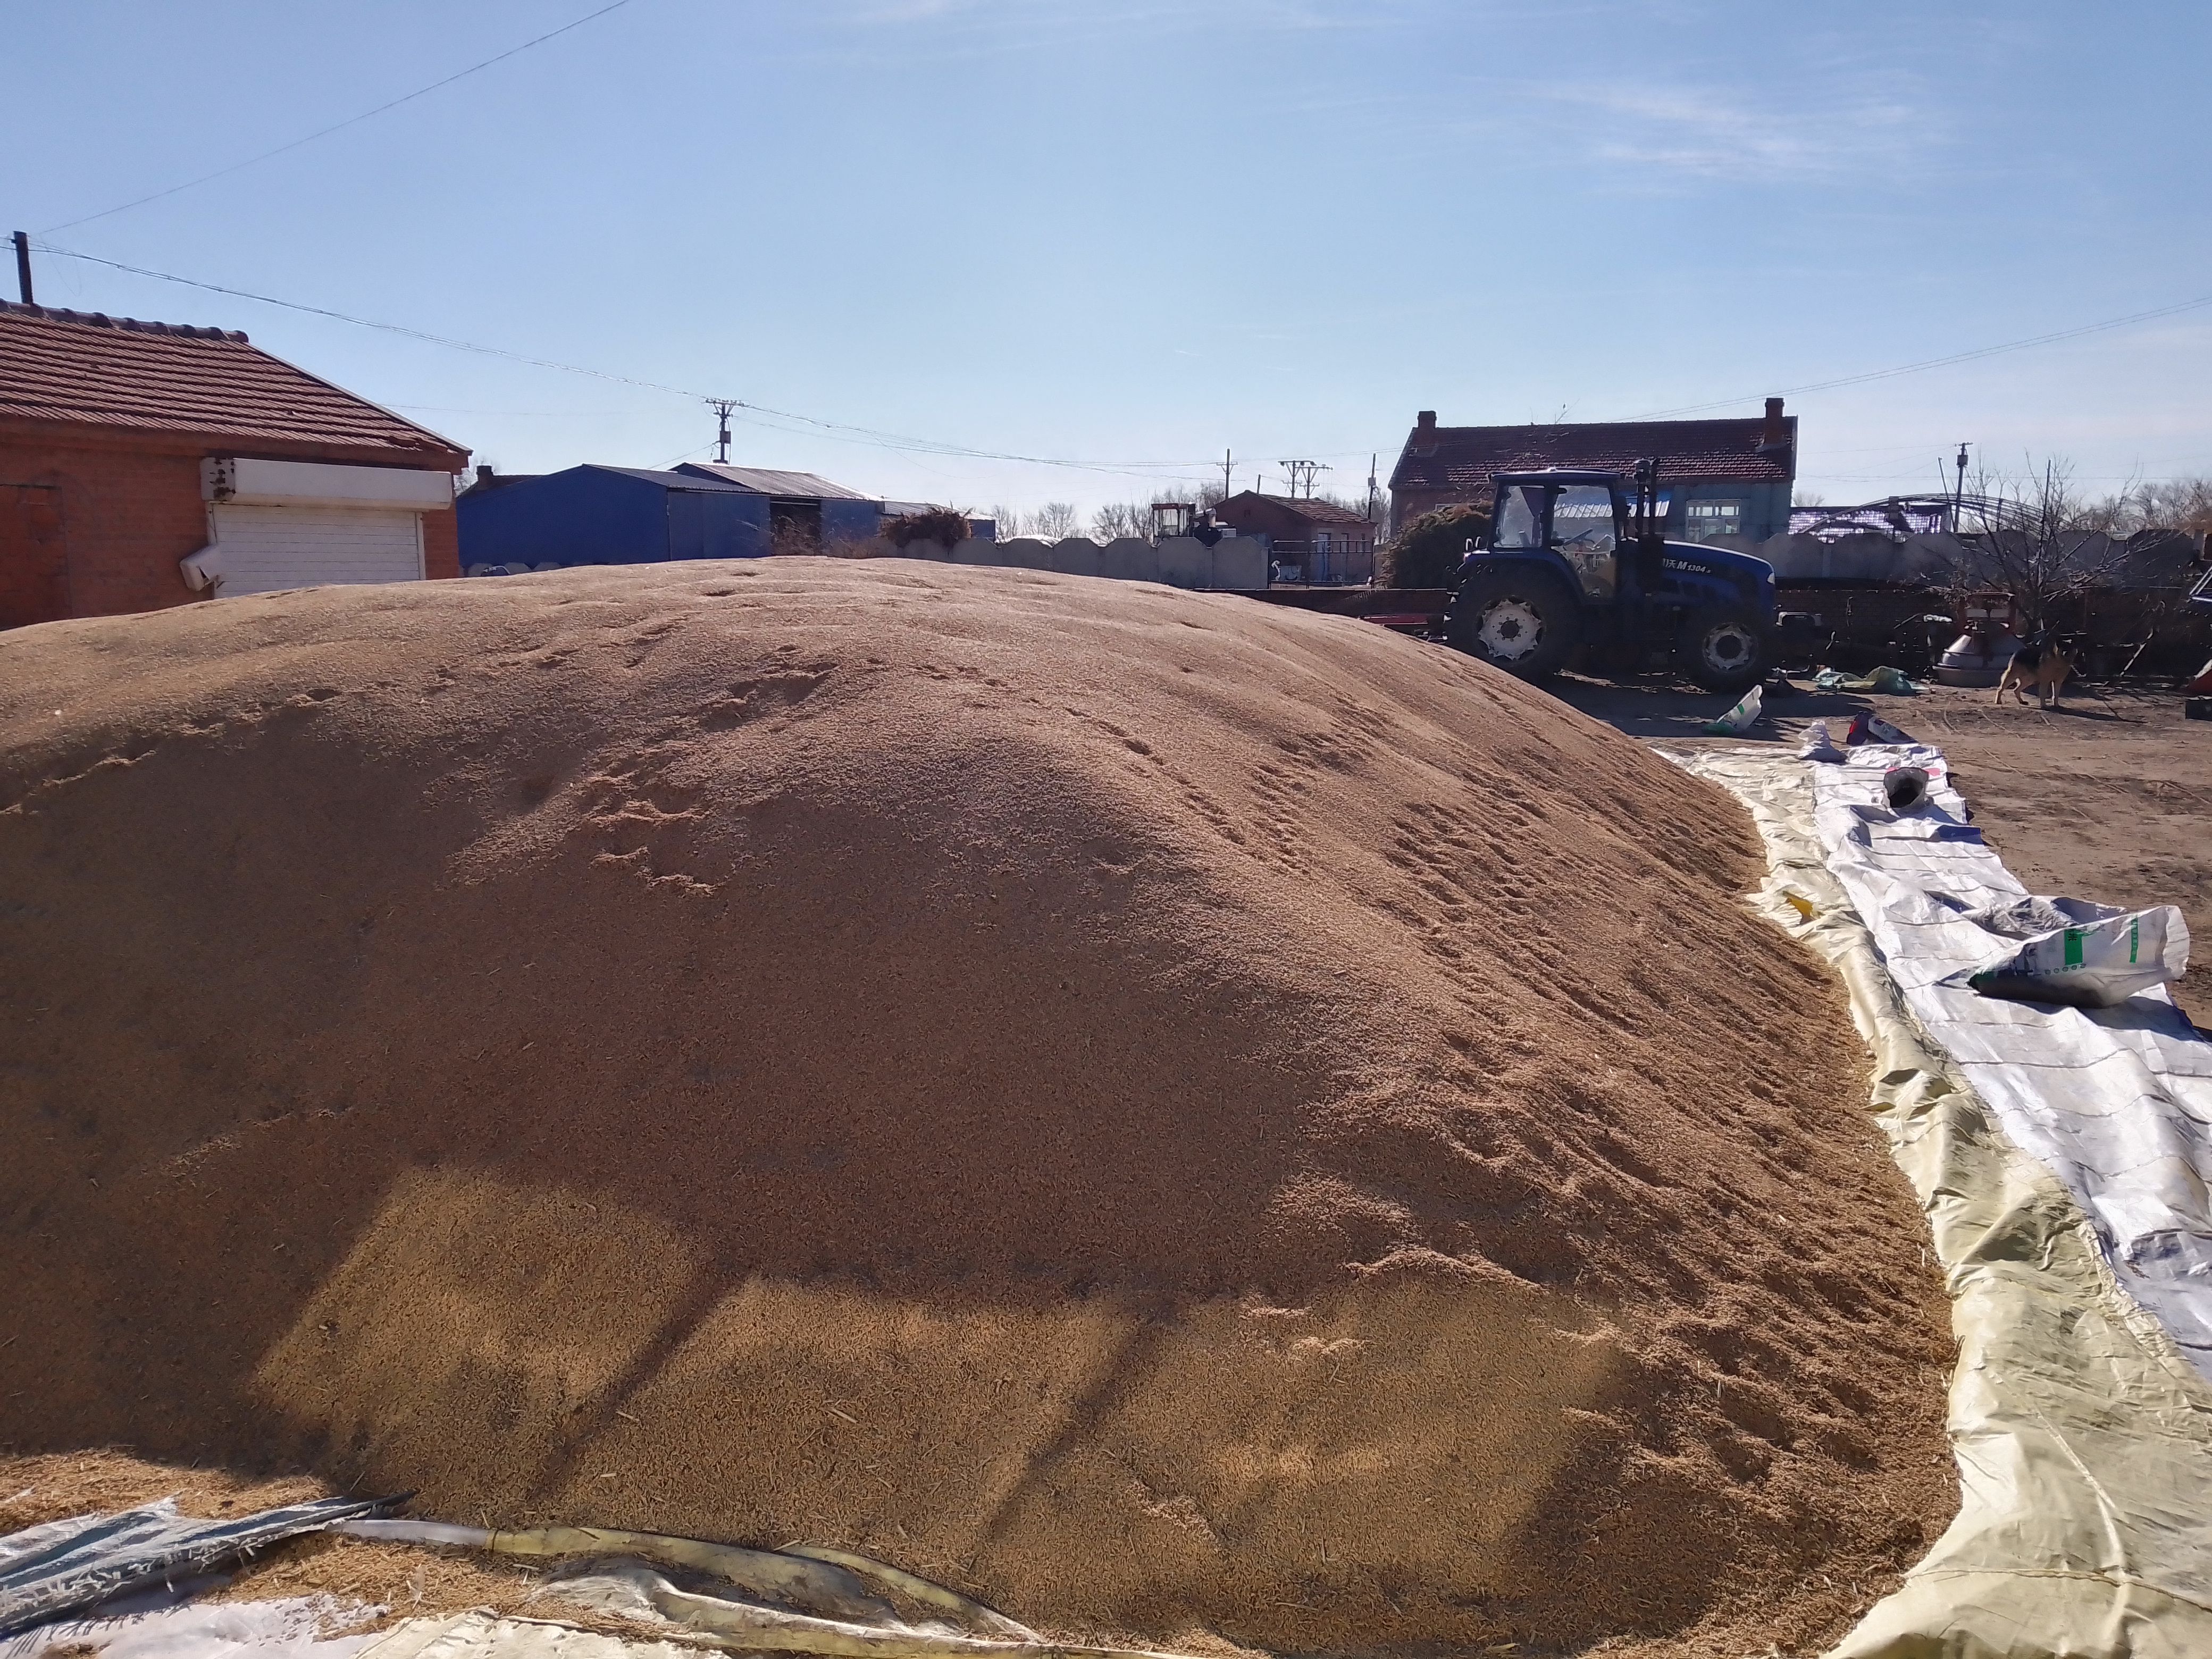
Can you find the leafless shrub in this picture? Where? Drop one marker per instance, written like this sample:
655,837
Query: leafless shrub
1427,552
941,524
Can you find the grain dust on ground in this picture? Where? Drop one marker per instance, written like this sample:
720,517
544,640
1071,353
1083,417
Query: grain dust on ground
1185,1120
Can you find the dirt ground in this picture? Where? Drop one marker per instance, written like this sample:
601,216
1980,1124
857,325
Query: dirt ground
2106,797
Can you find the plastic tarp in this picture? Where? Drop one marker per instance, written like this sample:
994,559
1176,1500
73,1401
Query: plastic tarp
798,1600
2115,1101
485,1636
295,1627
2082,1428
68,1566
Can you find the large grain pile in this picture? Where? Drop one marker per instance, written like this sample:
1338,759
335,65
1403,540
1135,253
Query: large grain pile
1175,1116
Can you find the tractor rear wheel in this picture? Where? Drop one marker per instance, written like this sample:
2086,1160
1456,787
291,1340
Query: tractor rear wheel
1519,617
1725,649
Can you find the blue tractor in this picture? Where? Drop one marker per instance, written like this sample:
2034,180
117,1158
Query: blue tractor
1581,559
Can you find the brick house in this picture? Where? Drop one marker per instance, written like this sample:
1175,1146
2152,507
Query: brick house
148,464
1329,545
1717,479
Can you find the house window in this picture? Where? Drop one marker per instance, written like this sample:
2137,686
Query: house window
1709,519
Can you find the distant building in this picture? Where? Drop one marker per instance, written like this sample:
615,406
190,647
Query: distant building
803,511
594,514
1326,545
148,464
1717,479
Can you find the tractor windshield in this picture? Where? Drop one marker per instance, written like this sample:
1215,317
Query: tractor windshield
1582,519
1520,516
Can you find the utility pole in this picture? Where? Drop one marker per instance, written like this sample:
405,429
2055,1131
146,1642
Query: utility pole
1224,475
1302,472
23,266
1373,461
722,406
1958,494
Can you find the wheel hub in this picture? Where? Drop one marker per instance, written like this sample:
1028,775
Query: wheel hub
1728,647
1510,630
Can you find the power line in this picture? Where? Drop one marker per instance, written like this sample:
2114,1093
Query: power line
837,430
1935,362
351,120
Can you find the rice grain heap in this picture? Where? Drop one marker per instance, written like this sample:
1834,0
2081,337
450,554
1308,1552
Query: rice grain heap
1186,1121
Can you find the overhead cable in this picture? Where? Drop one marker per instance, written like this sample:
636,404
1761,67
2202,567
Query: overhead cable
351,120
837,430
1934,362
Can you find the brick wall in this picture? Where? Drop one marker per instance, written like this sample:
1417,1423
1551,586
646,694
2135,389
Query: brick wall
130,511
442,545
126,520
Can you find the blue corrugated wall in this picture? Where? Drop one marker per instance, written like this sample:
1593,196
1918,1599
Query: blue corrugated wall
848,522
716,524
588,516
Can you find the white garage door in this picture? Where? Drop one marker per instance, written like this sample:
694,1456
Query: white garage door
268,548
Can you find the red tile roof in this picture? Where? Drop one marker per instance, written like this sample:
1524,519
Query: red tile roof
1306,508
117,372
1466,458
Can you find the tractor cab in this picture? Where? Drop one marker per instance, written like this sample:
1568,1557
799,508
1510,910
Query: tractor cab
1582,517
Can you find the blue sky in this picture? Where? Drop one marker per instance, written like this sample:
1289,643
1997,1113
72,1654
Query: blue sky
1131,235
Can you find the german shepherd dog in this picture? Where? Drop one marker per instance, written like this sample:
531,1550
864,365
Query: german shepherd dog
2040,663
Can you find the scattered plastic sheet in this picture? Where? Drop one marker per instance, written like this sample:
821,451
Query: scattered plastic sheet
68,1566
2115,1101
724,1595
297,1627
1887,681
2082,1432
486,1636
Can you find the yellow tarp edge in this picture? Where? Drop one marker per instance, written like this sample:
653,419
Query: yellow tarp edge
2083,1436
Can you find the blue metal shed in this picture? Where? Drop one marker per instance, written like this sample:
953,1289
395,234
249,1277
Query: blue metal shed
803,507
593,514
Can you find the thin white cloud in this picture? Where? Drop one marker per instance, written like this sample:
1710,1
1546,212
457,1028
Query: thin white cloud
1712,133
969,27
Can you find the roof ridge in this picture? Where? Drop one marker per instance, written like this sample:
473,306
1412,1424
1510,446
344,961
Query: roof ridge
130,324
90,369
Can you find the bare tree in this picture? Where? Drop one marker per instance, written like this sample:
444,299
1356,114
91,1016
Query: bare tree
1119,518
1008,521
1054,520
2033,536
2182,504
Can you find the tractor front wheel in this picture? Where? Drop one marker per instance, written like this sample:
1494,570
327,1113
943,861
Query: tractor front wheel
1518,617
1725,650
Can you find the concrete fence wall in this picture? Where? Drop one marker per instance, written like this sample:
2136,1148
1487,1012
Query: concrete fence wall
1236,563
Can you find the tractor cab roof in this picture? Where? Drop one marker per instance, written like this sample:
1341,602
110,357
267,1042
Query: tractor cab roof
1559,475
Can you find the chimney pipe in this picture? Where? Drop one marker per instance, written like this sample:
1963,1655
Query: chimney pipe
1777,433
1425,432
